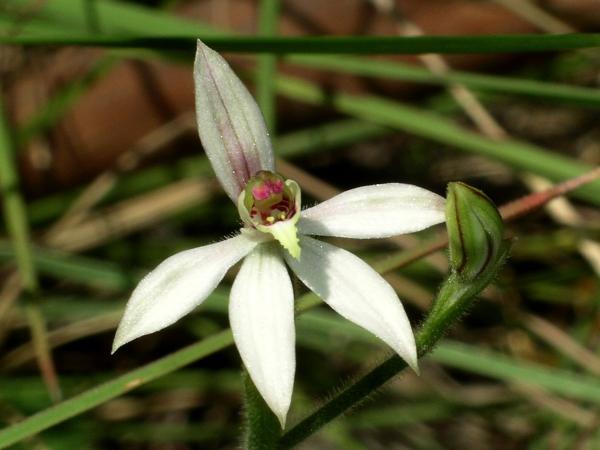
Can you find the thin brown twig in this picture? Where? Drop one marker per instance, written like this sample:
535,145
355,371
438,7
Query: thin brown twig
438,65
537,16
532,201
95,191
128,161
562,341
37,325
560,209
560,406
133,214
60,336
13,287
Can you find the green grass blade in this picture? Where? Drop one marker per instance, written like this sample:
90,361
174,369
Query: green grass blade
115,16
18,230
14,207
120,385
78,269
112,17
395,416
267,64
519,155
496,365
124,17
174,32
467,357
575,95
367,45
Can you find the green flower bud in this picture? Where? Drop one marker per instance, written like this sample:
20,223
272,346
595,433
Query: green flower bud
475,231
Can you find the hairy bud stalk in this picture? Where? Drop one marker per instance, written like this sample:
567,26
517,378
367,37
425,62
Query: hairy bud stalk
477,251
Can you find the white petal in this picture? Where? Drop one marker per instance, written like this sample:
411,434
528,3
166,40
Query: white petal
377,211
177,286
354,290
230,124
261,314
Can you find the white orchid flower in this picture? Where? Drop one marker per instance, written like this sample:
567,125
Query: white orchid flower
276,232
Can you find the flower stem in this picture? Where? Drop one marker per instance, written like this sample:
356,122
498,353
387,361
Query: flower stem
262,427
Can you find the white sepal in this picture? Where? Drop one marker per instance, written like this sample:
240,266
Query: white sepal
230,124
177,286
376,211
355,291
261,314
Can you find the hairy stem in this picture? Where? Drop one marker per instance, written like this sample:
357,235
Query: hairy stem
262,428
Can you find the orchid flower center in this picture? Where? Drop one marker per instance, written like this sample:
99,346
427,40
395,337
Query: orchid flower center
268,199
271,204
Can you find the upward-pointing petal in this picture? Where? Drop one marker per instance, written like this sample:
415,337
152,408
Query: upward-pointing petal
230,124
357,292
177,286
377,211
261,314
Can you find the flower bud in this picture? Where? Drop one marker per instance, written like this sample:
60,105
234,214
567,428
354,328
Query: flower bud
475,231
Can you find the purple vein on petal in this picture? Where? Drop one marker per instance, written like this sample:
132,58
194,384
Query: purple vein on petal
236,157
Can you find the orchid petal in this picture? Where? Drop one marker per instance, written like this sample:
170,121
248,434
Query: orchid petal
177,286
377,211
230,124
355,291
261,314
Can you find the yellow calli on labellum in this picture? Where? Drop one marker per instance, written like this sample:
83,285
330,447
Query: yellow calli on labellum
276,231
